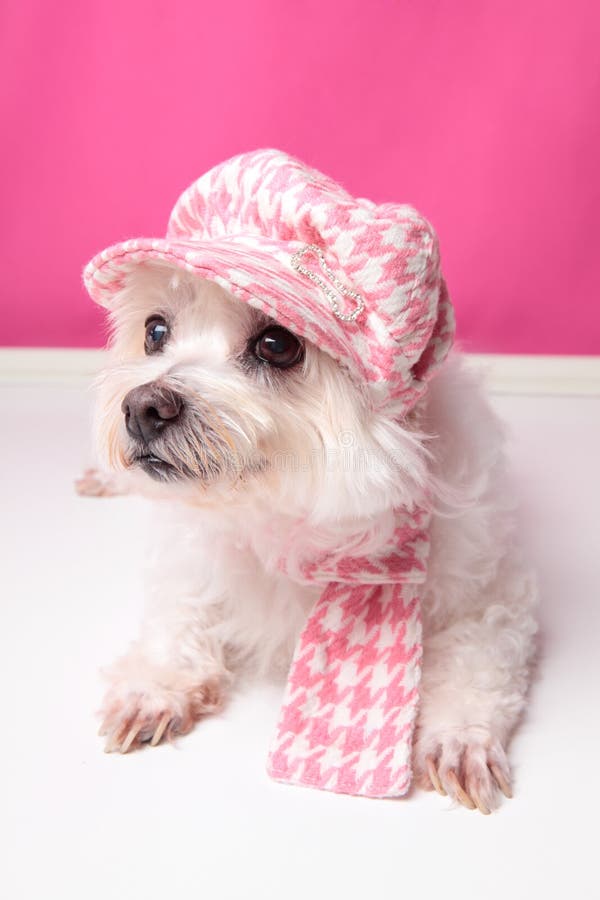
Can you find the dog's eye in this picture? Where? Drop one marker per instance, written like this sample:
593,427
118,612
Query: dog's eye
278,347
157,332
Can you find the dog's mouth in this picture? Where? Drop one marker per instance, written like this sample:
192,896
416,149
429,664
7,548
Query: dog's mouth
155,467
160,470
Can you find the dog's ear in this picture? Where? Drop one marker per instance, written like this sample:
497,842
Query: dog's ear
378,466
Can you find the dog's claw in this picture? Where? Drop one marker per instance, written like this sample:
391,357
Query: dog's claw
111,745
501,781
133,733
433,776
459,791
160,730
480,805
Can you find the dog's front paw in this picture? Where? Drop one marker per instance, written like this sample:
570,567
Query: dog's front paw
468,764
94,483
157,706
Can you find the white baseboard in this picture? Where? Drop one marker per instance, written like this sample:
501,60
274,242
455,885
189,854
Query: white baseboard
63,365
505,374
554,375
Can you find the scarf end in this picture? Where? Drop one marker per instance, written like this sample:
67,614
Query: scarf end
383,782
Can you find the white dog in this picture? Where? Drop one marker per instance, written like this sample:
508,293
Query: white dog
261,442
189,380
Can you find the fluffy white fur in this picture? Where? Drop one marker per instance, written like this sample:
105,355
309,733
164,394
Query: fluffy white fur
297,460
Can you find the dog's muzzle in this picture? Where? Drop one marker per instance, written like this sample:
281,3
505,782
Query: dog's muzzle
149,410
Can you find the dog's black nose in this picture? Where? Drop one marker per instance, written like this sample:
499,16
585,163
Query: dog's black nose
148,409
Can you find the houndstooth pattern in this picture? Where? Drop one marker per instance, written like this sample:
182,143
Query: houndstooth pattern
241,224
348,713
369,291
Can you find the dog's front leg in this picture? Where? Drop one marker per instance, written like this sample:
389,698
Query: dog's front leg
101,483
474,681
171,677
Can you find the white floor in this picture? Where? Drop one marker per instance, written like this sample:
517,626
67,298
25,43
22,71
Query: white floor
203,820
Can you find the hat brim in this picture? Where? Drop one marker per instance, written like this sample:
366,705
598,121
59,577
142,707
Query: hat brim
255,269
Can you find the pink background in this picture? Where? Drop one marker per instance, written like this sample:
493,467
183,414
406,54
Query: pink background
485,115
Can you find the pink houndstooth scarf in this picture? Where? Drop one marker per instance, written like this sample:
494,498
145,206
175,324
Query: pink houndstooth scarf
350,703
363,282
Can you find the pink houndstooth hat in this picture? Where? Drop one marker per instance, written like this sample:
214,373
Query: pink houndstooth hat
361,281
